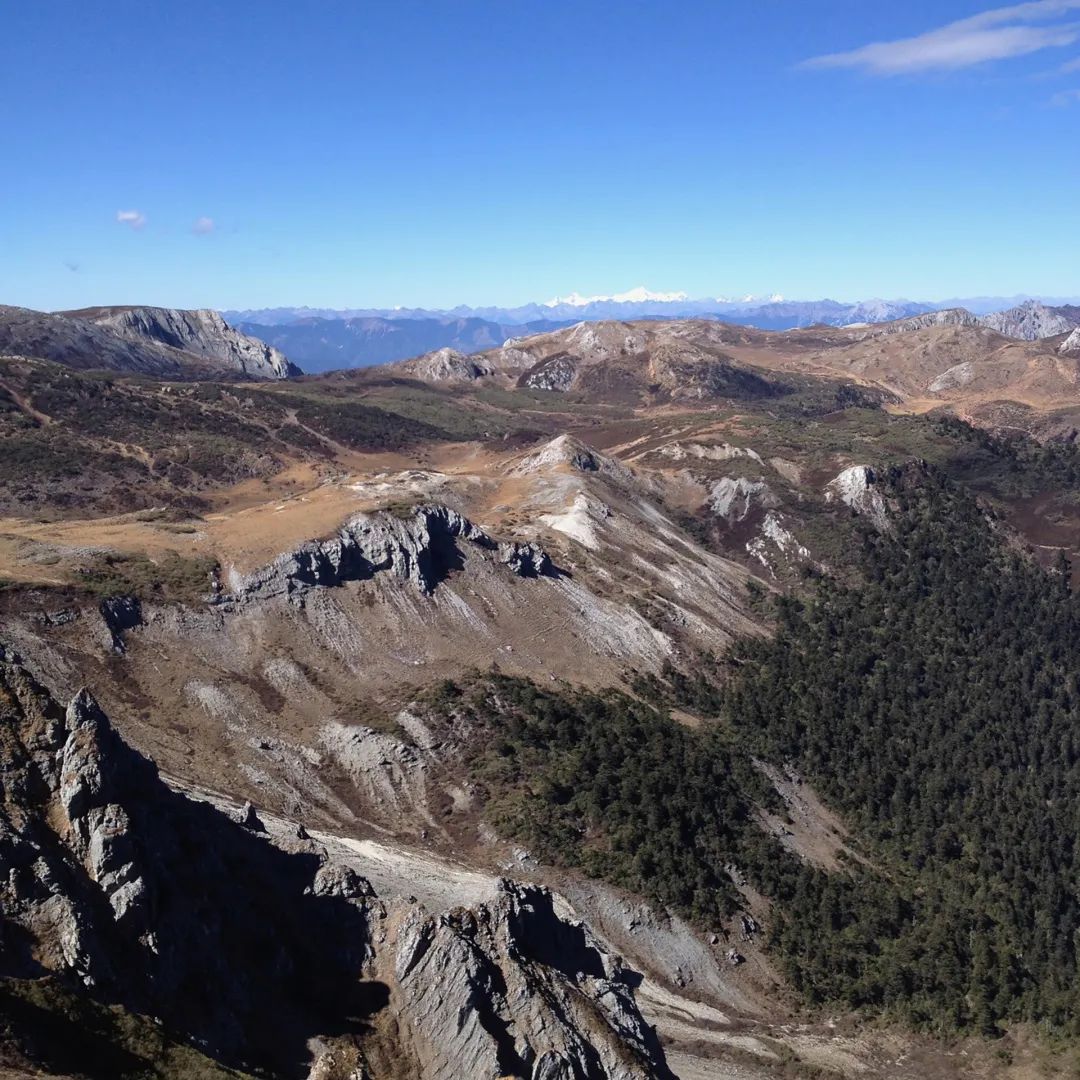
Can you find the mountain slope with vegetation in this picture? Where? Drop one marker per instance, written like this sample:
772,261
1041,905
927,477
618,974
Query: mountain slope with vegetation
763,664
934,704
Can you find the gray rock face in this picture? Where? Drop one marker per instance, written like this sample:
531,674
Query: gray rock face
1071,345
120,613
154,341
266,950
55,771
565,451
202,333
513,988
948,317
856,488
101,832
554,373
418,548
733,498
525,559
1031,321
79,343
449,365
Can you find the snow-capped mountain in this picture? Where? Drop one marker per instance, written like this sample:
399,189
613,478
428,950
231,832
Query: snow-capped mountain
770,311
639,295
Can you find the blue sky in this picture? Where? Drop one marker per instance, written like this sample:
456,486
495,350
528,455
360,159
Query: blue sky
432,153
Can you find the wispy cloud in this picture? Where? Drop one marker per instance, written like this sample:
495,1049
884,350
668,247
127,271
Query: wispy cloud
1070,67
1066,97
999,34
135,218
203,226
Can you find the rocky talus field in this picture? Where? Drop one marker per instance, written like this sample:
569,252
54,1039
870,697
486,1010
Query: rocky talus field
631,700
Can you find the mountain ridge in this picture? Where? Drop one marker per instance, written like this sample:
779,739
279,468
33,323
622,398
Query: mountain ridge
323,339
160,342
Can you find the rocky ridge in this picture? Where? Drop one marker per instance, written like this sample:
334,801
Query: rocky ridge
201,333
948,317
159,342
1032,321
116,884
417,548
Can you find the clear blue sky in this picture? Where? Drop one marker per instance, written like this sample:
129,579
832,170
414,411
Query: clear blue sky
500,151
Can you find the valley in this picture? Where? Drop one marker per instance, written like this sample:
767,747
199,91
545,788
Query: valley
550,708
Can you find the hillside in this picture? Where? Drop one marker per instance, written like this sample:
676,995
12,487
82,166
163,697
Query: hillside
942,360
325,340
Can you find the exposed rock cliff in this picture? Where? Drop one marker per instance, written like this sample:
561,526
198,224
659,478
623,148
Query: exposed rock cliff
80,343
733,498
202,333
1071,345
418,548
267,952
948,317
855,488
1031,321
514,988
153,341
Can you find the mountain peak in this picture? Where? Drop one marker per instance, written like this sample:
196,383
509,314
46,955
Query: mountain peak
637,295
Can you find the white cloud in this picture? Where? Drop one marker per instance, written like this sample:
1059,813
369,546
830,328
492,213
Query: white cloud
135,218
203,226
999,34
1070,67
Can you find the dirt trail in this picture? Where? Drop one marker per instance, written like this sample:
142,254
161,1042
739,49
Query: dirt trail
24,405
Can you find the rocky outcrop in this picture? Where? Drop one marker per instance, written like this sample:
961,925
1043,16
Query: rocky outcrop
948,317
267,951
526,559
687,371
1031,321
80,343
202,333
733,498
568,452
776,546
418,548
449,365
552,373
120,613
856,488
151,341
515,988
1071,345
954,378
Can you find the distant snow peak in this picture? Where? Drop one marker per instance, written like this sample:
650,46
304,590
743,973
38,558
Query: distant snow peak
639,295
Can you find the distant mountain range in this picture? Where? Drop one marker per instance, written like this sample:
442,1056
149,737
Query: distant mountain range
328,344
638,303
325,339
